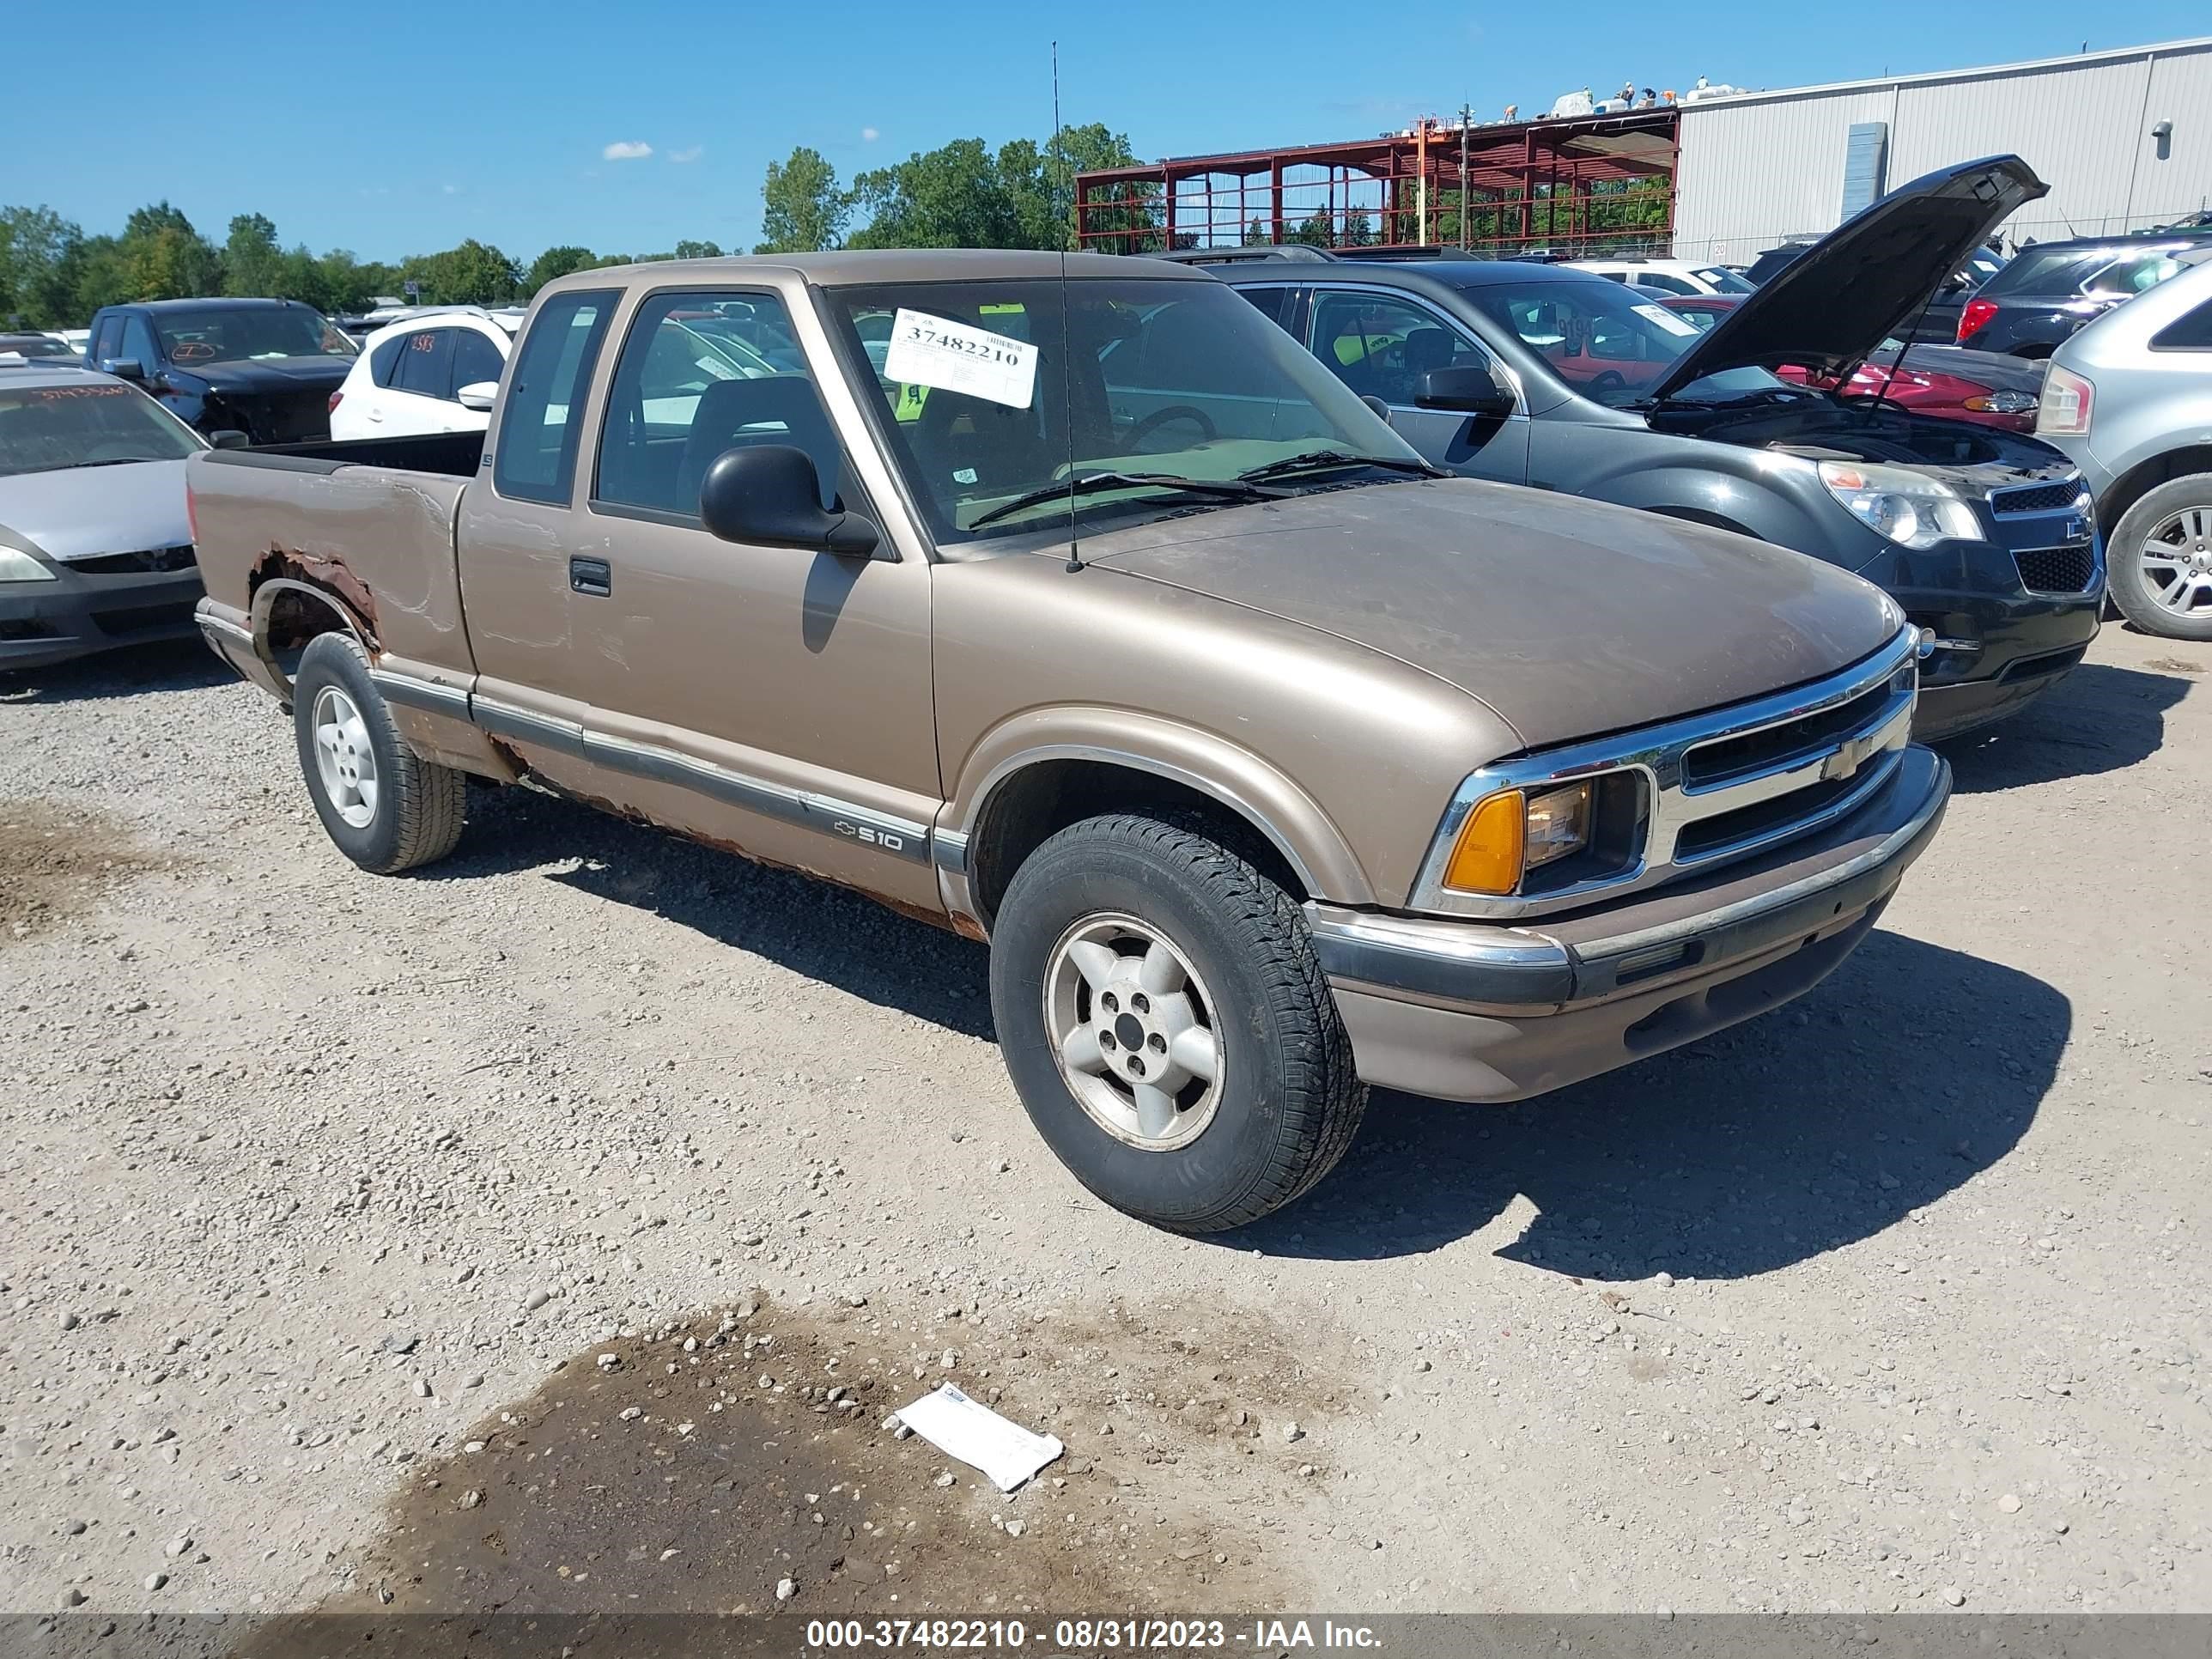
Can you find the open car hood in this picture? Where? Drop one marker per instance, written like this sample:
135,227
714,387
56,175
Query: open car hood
1833,304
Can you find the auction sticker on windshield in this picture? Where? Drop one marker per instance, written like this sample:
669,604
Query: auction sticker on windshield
935,351
1666,319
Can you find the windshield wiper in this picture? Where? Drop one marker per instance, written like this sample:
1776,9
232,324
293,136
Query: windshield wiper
1313,460
120,460
1090,484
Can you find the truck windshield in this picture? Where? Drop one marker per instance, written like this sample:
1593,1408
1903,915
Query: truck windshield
1171,380
248,332
49,428
1607,342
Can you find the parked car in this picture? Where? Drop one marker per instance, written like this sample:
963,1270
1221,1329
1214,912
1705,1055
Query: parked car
2052,288
1270,765
1544,375
2130,399
1935,321
33,346
96,545
1952,382
1665,276
266,367
431,373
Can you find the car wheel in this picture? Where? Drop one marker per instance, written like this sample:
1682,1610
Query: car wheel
386,807
2160,560
1168,1026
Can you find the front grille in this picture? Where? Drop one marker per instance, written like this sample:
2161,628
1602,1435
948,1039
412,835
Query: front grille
146,562
1793,742
2036,498
2056,569
1705,836
125,620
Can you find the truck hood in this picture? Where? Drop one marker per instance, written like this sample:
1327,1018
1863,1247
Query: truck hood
1833,304
252,375
1569,618
81,513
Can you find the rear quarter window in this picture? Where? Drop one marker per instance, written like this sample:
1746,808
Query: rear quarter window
2191,331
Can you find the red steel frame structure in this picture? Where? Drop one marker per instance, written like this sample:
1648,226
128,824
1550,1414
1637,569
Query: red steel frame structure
1529,184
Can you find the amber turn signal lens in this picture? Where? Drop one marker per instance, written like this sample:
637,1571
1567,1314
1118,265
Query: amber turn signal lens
1486,858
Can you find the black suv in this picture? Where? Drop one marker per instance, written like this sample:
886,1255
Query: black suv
1536,374
2051,290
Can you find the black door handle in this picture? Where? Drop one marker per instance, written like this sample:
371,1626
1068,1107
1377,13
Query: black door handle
592,576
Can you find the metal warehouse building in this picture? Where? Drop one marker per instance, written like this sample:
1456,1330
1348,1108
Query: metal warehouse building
2124,138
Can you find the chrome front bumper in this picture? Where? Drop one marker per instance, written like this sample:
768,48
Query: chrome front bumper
1478,1011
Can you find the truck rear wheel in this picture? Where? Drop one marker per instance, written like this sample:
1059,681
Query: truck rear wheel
2160,560
386,807
1168,1025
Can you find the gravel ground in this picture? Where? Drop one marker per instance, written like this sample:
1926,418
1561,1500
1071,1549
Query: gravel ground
318,1193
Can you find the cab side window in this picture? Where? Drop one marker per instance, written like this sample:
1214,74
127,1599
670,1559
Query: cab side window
1381,345
540,416
700,373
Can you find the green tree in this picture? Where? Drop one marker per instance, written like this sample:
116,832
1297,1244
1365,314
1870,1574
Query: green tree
698,251
1358,230
1314,230
556,262
40,252
252,263
473,274
803,210
163,258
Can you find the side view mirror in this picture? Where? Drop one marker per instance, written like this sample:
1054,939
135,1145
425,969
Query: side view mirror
123,369
770,496
478,394
230,438
1381,409
1469,389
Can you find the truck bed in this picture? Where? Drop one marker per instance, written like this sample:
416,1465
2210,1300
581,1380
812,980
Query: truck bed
455,454
365,528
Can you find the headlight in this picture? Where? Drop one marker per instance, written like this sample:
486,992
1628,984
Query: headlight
1515,832
1907,508
17,565
2003,402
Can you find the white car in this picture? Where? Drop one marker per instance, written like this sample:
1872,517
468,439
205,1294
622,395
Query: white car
1668,276
435,372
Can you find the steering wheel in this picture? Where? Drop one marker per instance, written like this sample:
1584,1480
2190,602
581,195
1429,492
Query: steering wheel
1160,418
1612,380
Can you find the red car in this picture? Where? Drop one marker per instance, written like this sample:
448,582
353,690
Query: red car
1951,382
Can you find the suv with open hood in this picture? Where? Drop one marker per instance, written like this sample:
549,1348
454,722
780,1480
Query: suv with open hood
1553,377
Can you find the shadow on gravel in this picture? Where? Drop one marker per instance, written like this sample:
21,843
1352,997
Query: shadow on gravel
2099,718
1907,1071
809,927
167,665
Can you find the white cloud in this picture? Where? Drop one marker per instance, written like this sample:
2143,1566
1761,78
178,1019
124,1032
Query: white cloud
453,190
869,135
629,150
690,154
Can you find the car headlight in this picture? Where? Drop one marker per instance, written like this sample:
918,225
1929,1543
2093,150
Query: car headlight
1904,507
17,565
2003,402
1515,832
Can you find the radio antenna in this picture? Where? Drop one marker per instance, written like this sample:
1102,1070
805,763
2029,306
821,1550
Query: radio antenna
1067,342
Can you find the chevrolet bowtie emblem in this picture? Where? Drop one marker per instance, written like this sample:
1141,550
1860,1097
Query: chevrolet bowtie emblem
1846,760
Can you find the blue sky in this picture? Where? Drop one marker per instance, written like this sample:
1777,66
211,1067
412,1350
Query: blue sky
355,128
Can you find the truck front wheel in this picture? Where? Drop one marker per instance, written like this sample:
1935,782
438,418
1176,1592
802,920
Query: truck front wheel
386,807
1168,1025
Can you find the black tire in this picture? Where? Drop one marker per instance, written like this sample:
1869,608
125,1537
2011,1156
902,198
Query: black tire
1291,1101
2131,589
419,806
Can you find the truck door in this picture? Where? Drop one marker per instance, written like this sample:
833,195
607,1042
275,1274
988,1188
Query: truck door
510,535
775,698
1381,343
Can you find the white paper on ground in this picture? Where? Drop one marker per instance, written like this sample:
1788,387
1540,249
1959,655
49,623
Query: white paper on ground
935,351
974,1434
